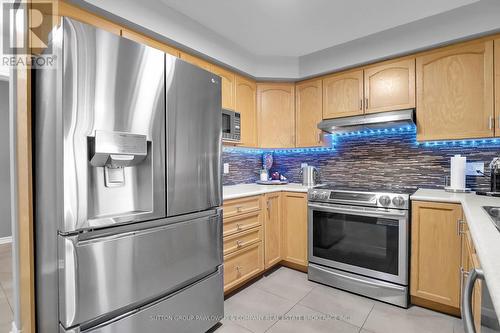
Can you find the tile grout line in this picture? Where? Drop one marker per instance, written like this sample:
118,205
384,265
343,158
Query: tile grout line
6,298
364,322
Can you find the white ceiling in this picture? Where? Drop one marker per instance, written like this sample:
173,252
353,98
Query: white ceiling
294,28
298,39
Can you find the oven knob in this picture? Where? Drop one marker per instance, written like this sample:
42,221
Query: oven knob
384,200
398,201
314,195
324,195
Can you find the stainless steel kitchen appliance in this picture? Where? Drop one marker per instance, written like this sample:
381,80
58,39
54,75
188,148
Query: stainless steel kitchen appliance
127,187
488,320
310,175
231,125
359,241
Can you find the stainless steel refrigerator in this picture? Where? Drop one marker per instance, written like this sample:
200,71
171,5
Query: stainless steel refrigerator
127,184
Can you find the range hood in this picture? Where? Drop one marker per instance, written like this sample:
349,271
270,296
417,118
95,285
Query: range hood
374,121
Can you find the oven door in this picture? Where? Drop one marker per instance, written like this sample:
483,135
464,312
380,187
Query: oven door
362,240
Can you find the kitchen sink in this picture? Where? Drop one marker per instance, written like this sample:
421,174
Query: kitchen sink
494,213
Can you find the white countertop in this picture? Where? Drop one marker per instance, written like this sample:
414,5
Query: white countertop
484,234
247,190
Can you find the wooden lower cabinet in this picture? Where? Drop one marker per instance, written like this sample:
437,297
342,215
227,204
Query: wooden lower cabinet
272,229
242,265
435,256
295,227
261,232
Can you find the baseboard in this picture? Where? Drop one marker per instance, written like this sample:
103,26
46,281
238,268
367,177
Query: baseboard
5,240
435,306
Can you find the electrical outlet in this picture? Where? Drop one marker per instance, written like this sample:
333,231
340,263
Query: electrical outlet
472,168
226,168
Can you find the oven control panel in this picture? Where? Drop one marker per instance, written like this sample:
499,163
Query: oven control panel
372,199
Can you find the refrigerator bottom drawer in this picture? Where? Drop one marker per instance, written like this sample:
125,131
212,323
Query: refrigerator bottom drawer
194,309
107,276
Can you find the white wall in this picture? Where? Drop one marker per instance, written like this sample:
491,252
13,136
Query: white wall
475,19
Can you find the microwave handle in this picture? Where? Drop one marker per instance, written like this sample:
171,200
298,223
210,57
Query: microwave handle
467,316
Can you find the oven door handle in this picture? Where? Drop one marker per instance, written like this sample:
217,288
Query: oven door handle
360,211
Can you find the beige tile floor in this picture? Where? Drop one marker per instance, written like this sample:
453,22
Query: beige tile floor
5,288
311,307
308,306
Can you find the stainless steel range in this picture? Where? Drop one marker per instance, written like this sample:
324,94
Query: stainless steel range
359,241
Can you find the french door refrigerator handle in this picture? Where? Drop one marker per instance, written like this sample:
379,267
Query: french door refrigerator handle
467,315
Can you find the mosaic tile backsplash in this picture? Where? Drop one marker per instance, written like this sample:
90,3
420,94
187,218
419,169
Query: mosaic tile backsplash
392,160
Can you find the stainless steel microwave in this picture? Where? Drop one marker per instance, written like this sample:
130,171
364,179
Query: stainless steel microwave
231,125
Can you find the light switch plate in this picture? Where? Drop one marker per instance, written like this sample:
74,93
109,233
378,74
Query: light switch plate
471,167
226,168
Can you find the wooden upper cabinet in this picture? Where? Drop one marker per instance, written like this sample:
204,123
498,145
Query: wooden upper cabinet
435,253
276,115
497,87
139,38
343,94
246,105
455,92
196,61
390,86
308,113
228,86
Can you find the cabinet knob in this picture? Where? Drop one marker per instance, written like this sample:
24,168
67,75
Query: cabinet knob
239,243
238,226
239,209
239,269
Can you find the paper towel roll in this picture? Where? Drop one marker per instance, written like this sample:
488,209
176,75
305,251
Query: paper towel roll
457,170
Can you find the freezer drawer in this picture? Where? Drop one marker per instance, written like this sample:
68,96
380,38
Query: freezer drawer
194,309
107,276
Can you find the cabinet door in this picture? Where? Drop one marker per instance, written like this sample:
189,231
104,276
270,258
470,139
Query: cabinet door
497,87
308,113
272,230
390,86
295,227
228,86
276,115
455,92
150,42
246,105
435,253
196,61
343,95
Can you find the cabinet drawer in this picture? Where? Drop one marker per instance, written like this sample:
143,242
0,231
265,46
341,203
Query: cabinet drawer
242,265
241,206
241,223
241,240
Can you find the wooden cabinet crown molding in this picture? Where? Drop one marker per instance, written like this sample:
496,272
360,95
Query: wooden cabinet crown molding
455,92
